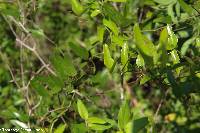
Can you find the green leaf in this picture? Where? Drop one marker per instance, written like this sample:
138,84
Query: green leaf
108,61
96,120
60,128
111,25
119,40
98,126
139,61
100,33
110,12
64,66
144,79
139,124
186,45
175,57
164,2
95,13
39,88
124,55
162,56
82,110
176,60
96,123
55,83
186,7
78,128
129,127
79,51
77,8
144,46
172,40
124,115
117,0
37,33
19,123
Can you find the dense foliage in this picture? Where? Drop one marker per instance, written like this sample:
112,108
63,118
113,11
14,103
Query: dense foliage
124,66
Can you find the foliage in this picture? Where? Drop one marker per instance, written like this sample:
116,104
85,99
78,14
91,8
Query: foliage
124,66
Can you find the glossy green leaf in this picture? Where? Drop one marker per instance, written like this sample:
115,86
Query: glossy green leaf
176,60
139,61
111,25
60,128
63,66
82,110
139,124
77,8
124,115
172,40
100,33
175,57
108,60
124,55
95,13
79,51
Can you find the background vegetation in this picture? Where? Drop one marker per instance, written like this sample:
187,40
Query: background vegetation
109,66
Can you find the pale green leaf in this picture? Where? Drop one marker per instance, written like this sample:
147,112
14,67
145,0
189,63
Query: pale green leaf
124,55
176,60
161,57
96,123
144,46
108,60
124,115
99,127
77,8
139,61
111,25
100,33
172,40
96,120
144,79
82,110
19,123
60,128
95,13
